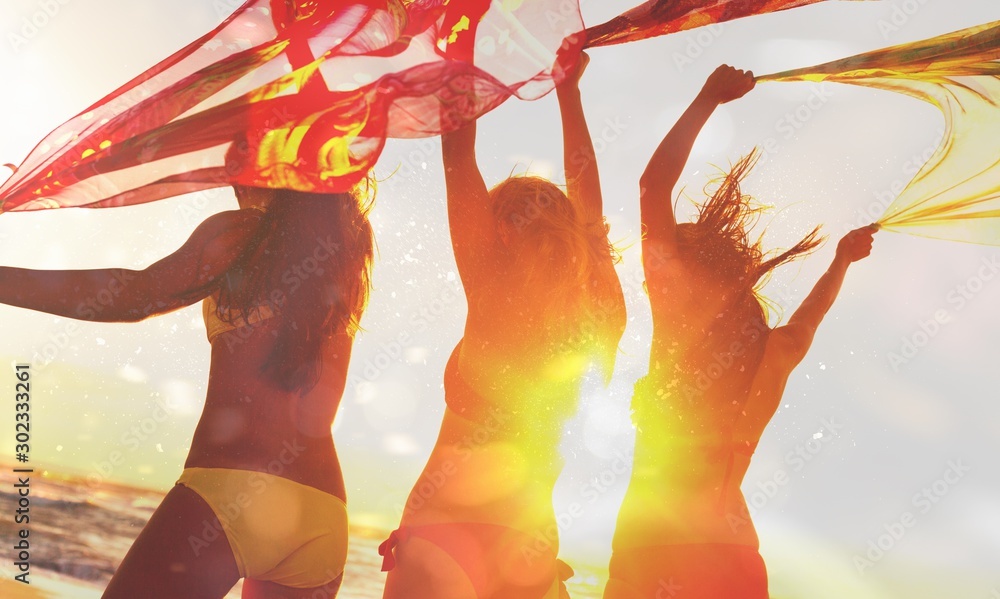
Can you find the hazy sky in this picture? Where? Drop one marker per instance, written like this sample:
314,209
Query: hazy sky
876,433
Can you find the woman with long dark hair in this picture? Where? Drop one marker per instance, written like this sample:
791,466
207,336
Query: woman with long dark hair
717,371
284,281
544,305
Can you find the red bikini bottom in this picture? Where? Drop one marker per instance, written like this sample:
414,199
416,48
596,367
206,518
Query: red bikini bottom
709,571
469,544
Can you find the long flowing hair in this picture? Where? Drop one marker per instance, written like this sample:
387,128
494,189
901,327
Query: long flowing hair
310,263
566,259
719,242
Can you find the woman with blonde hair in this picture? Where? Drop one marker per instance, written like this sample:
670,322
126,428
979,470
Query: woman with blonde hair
284,281
717,371
544,305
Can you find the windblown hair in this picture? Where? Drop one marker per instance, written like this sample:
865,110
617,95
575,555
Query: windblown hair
310,262
566,259
718,242
719,239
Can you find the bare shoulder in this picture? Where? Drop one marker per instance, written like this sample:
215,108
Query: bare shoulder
230,221
228,228
216,242
786,347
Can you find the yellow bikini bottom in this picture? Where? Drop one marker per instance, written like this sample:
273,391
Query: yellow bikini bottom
279,530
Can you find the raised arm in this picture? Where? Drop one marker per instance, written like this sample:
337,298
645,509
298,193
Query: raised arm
583,180
665,167
474,232
787,345
123,295
796,337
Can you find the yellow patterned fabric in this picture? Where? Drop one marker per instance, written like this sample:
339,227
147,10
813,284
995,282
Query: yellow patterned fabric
956,195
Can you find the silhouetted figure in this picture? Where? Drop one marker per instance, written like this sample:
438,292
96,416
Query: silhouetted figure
284,282
544,303
716,375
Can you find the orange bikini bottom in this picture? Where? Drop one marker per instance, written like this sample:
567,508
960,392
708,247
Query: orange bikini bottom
467,544
703,571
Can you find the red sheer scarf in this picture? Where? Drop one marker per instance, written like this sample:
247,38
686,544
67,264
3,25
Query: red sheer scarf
295,94
302,94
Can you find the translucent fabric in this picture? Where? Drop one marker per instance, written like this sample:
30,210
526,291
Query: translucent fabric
659,17
956,194
297,94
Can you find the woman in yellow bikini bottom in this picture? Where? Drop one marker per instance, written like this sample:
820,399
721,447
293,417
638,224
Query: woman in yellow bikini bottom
279,531
262,470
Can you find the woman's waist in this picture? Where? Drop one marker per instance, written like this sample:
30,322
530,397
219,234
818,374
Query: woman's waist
652,536
687,469
688,488
308,461
679,524
493,426
679,501
478,387
512,412
496,481
530,513
674,384
248,406
642,566
237,378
